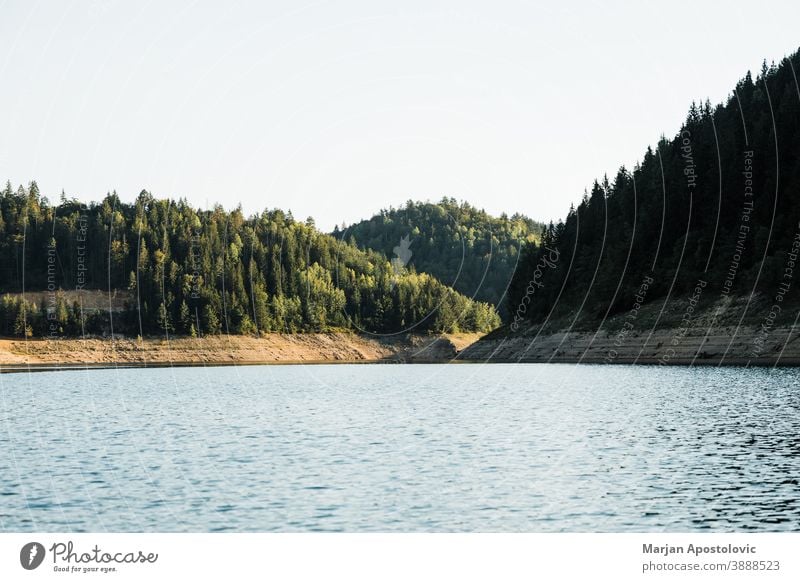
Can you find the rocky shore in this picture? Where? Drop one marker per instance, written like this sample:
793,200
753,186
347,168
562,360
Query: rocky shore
720,331
720,346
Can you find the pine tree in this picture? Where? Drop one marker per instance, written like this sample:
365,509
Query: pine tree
185,318
211,320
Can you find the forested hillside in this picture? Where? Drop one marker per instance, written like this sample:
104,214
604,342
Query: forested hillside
711,213
457,243
190,271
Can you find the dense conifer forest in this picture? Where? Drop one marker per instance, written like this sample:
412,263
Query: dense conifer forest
712,209
186,271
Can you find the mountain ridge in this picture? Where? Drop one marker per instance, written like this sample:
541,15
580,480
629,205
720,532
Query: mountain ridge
714,206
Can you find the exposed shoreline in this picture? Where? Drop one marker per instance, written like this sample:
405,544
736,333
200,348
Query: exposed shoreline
716,347
724,346
19,355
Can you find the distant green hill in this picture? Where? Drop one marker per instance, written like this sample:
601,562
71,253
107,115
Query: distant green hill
460,245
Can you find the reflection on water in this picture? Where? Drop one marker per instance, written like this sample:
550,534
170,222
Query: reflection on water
401,448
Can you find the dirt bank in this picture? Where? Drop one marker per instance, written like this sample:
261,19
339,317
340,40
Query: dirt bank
271,348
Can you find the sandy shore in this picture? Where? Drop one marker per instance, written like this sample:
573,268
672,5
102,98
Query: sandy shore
18,354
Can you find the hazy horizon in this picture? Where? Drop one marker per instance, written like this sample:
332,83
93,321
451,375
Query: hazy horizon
337,111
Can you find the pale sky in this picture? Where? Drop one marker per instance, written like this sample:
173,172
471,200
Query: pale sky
337,109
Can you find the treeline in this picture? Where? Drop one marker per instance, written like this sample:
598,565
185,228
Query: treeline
457,243
190,271
717,203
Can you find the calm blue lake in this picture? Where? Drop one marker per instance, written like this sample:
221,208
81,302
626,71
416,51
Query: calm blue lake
535,448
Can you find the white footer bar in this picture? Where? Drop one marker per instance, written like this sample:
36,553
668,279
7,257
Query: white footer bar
402,557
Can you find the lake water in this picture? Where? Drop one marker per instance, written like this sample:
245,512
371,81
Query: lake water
532,447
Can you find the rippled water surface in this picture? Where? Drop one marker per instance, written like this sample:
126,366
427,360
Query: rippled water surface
401,448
